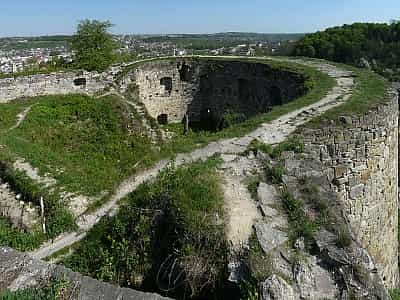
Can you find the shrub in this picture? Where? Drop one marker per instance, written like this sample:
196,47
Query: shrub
274,173
164,237
294,143
252,185
300,224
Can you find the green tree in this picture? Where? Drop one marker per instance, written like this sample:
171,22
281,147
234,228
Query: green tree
93,45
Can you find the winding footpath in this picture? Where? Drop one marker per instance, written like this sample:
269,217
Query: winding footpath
269,133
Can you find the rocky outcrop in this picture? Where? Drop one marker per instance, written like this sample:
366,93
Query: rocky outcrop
19,271
276,288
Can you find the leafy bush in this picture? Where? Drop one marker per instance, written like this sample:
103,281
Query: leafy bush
300,223
293,143
231,118
274,173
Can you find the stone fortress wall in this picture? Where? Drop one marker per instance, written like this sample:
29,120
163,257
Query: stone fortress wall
361,162
175,87
51,84
19,271
360,157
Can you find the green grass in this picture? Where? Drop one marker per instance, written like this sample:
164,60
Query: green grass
395,294
321,85
80,141
172,217
9,112
369,91
58,218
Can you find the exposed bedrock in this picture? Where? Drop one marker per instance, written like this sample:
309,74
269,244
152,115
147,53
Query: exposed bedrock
360,161
211,92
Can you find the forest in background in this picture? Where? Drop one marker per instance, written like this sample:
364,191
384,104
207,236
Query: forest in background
371,45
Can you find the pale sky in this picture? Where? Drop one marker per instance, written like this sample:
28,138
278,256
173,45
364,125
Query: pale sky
42,17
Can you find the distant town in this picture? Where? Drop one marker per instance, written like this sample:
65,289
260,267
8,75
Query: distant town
28,54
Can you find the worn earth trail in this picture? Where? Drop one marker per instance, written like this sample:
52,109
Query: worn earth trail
270,133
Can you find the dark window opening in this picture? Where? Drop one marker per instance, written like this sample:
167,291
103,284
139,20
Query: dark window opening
276,96
244,88
162,119
167,83
80,81
185,72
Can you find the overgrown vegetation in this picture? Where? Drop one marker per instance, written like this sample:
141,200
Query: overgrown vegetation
58,218
378,44
93,45
58,290
80,141
370,90
166,237
395,294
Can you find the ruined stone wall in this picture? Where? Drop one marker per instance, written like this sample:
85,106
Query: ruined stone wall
19,271
361,163
50,84
177,87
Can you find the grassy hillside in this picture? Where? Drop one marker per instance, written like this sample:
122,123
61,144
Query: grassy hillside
80,141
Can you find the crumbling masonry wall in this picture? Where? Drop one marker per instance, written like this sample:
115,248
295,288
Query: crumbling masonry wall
361,163
19,271
189,86
50,84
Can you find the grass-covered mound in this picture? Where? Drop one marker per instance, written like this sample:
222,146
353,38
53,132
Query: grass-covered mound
81,141
168,236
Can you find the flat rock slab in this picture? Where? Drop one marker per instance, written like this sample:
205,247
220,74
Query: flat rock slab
267,194
269,237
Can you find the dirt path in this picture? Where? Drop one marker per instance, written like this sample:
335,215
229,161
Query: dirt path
270,133
21,117
240,209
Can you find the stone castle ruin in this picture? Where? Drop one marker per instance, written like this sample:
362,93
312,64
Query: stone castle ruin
356,163
207,90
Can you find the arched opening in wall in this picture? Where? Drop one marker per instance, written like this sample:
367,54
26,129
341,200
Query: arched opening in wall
162,119
167,83
208,121
185,72
275,95
80,81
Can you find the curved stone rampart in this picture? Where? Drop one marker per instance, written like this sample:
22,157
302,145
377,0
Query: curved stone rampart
361,161
173,88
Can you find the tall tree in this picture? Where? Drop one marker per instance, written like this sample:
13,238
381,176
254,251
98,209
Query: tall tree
93,45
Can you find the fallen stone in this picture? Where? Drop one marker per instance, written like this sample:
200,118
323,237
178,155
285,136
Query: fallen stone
276,288
267,194
269,237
